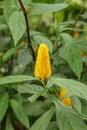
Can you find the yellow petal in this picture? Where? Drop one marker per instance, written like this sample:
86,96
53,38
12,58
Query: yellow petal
66,101
42,66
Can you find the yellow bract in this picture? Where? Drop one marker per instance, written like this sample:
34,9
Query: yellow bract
76,35
66,101
42,66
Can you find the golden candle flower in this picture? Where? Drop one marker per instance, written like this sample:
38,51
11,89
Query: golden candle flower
42,66
66,101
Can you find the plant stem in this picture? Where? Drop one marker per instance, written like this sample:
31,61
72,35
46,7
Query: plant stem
78,16
27,29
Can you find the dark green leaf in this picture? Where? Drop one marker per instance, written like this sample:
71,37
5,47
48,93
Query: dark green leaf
20,113
36,108
3,105
9,124
43,121
52,126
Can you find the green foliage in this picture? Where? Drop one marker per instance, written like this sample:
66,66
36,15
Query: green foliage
20,113
9,124
76,88
42,122
72,55
46,8
3,105
15,79
69,117
27,103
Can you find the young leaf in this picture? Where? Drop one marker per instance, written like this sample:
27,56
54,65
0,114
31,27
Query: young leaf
43,121
20,113
9,124
17,25
3,105
72,54
46,8
15,79
75,87
67,118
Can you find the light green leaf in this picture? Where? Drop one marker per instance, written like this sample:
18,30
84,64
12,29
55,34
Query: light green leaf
43,121
9,124
67,118
9,53
72,54
36,108
42,39
15,79
75,87
46,8
17,25
34,97
3,105
76,103
20,113
82,44
3,27
9,7
30,88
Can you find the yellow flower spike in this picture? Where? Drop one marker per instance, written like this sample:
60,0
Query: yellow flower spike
76,35
42,66
66,101
85,37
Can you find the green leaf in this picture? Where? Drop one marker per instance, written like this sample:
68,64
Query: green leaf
72,54
43,121
36,108
82,44
52,126
46,8
67,118
9,124
3,27
17,25
42,39
76,103
9,53
20,113
15,79
34,97
74,87
9,6
3,106
30,88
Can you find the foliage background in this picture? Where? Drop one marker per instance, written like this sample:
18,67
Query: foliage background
62,26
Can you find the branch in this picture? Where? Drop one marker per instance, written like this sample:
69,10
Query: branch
57,49
27,29
78,16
